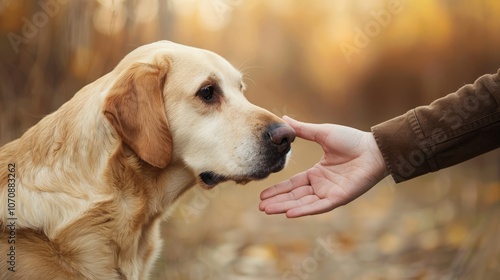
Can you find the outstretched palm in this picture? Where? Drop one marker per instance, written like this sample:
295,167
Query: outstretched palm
351,165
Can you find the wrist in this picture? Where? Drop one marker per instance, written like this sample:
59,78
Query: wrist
382,169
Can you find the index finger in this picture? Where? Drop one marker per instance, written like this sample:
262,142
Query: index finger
308,131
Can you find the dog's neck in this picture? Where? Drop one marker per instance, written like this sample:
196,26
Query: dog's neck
136,179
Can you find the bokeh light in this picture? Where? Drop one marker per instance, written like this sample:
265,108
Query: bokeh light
349,62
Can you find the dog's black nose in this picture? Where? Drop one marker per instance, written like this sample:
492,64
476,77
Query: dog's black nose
281,136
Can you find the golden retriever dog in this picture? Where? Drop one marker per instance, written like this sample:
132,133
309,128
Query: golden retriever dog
83,192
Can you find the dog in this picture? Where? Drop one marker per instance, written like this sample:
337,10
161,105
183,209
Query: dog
87,187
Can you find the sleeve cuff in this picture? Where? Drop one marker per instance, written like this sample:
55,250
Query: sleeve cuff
402,144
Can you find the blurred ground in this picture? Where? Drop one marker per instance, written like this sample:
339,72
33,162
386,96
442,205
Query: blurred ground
354,63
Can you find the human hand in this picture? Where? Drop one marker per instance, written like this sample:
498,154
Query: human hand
351,165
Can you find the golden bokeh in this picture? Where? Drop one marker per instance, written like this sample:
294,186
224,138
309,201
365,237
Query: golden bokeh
349,62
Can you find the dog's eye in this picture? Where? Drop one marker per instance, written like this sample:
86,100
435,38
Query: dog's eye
206,93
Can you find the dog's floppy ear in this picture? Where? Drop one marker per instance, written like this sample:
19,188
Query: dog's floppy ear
135,108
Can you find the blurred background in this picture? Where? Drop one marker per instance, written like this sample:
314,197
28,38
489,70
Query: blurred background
349,62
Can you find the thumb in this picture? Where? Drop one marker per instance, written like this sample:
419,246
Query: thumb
308,131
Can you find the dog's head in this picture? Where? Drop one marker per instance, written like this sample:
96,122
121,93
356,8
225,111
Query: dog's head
176,103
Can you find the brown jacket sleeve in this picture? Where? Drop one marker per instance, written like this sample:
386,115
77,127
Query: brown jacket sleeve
450,130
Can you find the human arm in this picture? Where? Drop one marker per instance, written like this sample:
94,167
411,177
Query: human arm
451,130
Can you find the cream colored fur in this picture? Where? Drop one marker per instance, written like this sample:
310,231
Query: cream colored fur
95,178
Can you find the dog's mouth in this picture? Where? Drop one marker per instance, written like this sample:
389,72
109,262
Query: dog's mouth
270,158
211,179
